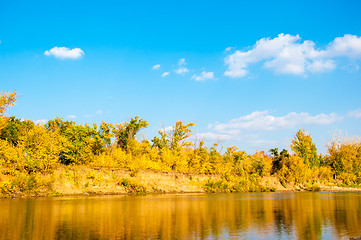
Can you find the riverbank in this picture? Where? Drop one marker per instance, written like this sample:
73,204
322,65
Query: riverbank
82,180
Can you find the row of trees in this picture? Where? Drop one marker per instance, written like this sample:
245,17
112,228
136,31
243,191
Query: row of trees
25,146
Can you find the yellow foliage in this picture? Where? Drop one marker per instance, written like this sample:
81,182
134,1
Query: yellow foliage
41,148
104,160
11,156
344,157
295,171
6,100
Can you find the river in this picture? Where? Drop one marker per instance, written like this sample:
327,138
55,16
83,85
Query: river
296,215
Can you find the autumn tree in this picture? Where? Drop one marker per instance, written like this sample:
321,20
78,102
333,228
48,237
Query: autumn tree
6,100
344,158
304,148
125,132
41,148
78,140
174,139
13,129
162,142
179,134
279,159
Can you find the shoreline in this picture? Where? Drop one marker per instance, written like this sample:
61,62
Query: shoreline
93,181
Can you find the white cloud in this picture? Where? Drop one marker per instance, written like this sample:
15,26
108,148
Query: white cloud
41,121
65,53
287,54
156,67
165,74
71,117
182,70
354,114
181,62
99,112
181,67
244,128
319,66
203,76
262,121
212,136
346,46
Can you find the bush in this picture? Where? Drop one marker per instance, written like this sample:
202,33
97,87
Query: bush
133,186
216,186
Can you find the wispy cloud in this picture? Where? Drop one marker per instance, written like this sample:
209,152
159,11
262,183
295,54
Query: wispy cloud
262,121
211,136
165,74
355,113
156,67
71,117
203,76
65,53
182,70
287,54
181,67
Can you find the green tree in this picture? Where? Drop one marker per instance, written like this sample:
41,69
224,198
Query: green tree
78,140
125,132
304,148
13,129
162,142
279,159
175,139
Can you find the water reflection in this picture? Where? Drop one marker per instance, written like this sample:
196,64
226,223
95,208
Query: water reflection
218,216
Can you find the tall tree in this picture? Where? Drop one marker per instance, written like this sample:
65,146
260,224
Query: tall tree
303,147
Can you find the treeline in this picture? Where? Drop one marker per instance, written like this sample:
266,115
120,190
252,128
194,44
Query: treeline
30,148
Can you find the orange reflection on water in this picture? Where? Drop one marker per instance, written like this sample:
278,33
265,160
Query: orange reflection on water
194,216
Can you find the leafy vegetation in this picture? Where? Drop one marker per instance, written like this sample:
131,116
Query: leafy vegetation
28,150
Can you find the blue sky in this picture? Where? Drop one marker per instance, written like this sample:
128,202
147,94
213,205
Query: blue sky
248,73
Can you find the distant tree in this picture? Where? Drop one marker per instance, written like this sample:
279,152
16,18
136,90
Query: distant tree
162,142
175,139
344,158
304,148
179,134
78,140
6,100
14,128
125,132
279,159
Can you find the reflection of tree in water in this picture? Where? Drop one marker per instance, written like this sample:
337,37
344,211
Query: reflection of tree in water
281,224
28,222
312,229
342,215
301,215
66,230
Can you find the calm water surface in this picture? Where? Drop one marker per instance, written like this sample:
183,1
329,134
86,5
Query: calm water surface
195,216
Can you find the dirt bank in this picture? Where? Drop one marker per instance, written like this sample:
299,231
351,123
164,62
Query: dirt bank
104,181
